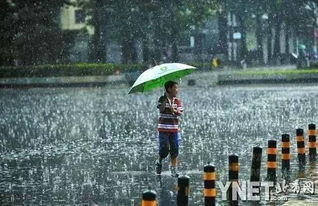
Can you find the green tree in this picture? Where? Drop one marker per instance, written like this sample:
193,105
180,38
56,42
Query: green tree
259,10
242,9
99,17
6,33
157,24
298,16
283,15
302,18
33,32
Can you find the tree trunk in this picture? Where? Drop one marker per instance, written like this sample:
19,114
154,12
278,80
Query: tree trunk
259,39
145,51
98,47
243,53
277,42
287,46
156,53
269,40
222,41
198,46
129,54
175,52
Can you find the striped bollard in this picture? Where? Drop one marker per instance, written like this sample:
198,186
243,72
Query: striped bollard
233,176
271,160
256,167
209,192
312,141
183,190
256,164
285,152
301,147
149,198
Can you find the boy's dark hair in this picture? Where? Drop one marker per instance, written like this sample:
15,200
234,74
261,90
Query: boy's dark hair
169,84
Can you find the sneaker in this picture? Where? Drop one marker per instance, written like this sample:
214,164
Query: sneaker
158,167
174,172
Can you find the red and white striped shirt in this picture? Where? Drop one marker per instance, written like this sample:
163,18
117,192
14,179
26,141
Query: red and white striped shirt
169,121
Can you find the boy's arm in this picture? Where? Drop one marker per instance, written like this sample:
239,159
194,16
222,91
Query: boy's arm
161,104
179,108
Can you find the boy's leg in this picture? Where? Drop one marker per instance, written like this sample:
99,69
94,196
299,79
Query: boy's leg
174,150
163,150
163,145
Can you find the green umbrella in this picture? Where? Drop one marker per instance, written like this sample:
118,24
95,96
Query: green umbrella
157,76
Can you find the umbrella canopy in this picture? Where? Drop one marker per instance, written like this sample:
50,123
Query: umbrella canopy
157,76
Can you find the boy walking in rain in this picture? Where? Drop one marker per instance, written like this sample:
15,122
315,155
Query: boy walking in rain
168,129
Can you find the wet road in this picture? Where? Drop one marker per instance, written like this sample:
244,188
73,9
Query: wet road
79,146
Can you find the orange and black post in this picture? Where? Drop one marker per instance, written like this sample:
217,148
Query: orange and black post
234,168
271,160
285,152
209,191
301,147
312,141
149,198
256,164
183,190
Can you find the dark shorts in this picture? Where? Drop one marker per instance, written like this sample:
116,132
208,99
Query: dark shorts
168,143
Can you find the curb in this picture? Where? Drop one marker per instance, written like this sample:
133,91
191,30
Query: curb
277,79
58,82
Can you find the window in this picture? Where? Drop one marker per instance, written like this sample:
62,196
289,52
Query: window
79,16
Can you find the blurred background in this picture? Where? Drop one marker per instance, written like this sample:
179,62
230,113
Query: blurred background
236,32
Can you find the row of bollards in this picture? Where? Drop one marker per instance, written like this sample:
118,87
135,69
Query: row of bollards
209,175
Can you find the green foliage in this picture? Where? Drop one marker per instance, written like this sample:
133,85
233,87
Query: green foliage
79,69
159,23
30,32
269,72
